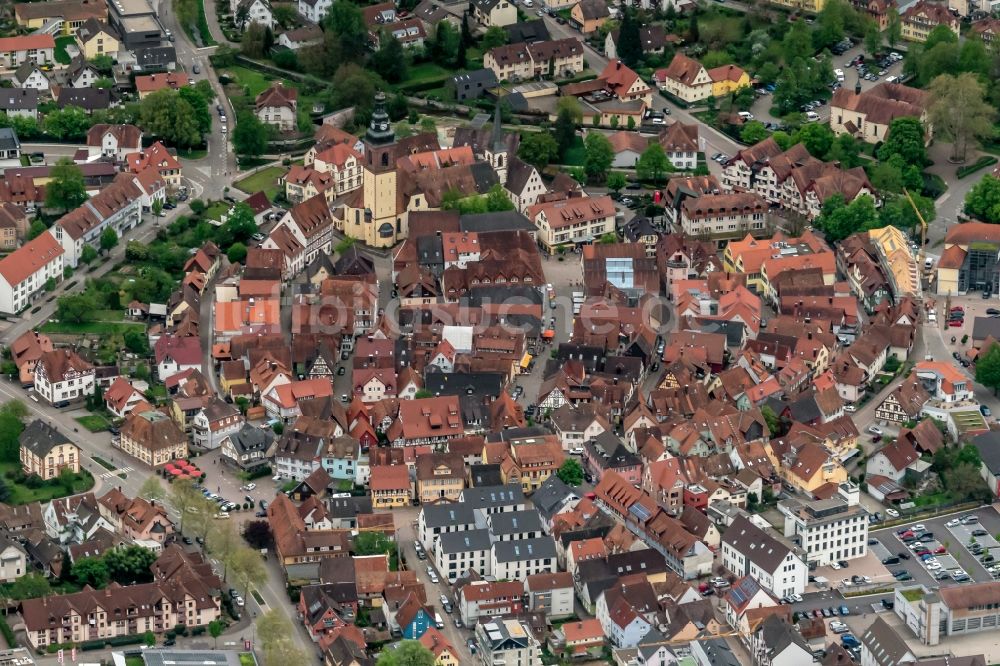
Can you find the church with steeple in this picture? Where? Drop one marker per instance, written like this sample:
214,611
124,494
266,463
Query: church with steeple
376,214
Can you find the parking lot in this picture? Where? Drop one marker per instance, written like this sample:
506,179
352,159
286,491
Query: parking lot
972,543
954,540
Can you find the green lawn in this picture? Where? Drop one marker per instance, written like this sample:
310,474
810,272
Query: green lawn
90,327
216,210
265,179
21,494
426,72
246,659
192,153
93,422
103,463
61,43
256,81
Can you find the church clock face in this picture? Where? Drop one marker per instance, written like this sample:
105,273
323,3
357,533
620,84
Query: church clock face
383,126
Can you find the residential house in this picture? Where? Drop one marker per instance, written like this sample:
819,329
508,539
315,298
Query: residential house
122,397
494,13
776,642
920,19
588,16
37,48
507,641
46,452
174,354
685,78
278,106
95,38
550,593
62,376
246,449
724,216
214,423
473,84
523,61
19,102
652,37
143,522
728,79
440,478
390,486
118,206
681,144
148,84
30,75
572,222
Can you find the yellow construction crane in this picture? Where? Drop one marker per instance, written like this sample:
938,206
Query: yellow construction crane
923,229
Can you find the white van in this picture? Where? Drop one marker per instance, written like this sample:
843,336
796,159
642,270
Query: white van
892,79
438,622
812,116
746,116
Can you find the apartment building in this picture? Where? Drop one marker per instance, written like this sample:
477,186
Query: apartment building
724,216
827,530
118,206
748,550
572,222
37,48
919,19
505,642
25,272
153,438
523,61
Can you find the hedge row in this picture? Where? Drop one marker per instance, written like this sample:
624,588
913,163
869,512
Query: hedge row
7,632
984,161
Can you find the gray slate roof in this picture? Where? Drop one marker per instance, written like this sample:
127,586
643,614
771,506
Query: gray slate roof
515,522
40,438
524,549
464,542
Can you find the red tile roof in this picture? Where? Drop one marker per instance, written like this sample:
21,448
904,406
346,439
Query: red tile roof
29,258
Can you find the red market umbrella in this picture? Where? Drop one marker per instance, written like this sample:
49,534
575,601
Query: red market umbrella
176,472
169,466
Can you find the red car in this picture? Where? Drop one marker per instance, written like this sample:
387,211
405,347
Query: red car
922,552
940,550
906,535
957,308
956,323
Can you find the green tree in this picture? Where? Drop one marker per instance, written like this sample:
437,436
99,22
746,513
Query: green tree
773,421
846,151
497,199
251,135
816,138
839,220
629,42
798,42
70,123
65,189
906,139
894,28
76,308
109,239
567,121
184,496
152,490
199,103
149,639
344,19
445,43
237,253
599,155
873,38
407,653
167,115
389,60
653,164
30,586
130,565
988,368
223,542
88,254
616,181
959,111
36,229
983,200
754,132
538,149
247,567
11,428
373,543
495,36
91,571
964,482
571,472
215,630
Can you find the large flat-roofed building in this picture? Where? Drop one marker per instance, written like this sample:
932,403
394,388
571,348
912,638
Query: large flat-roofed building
828,530
933,615
136,22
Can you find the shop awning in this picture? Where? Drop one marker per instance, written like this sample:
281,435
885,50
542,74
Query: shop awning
548,334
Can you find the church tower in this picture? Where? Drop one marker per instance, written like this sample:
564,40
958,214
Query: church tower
379,225
496,151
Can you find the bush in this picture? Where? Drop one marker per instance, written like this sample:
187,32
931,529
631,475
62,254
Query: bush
197,631
34,482
984,161
7,632
92,645
133,639
258,473
55,647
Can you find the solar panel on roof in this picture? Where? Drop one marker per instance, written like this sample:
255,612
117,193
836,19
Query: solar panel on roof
639,511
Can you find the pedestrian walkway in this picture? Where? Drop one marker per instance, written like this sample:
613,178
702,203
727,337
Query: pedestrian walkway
116,472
